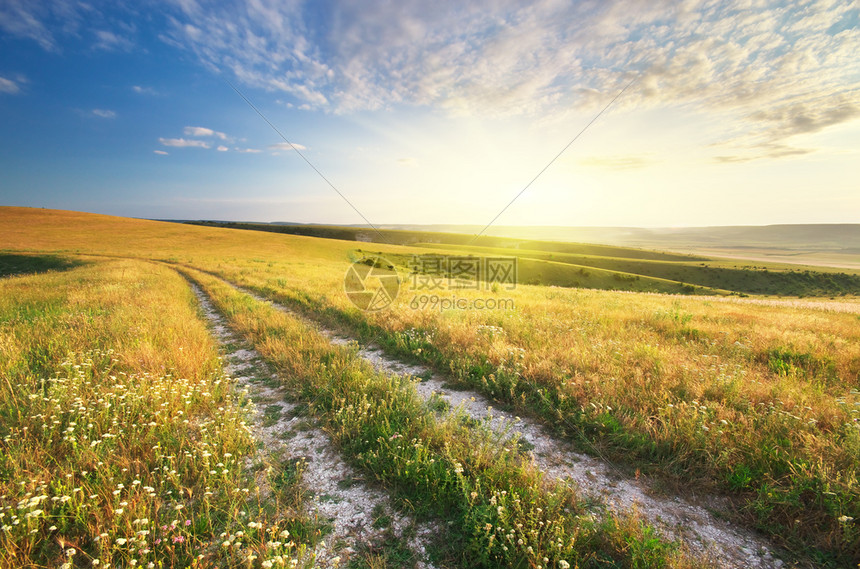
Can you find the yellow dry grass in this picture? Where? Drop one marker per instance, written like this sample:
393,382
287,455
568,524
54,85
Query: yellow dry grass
756,399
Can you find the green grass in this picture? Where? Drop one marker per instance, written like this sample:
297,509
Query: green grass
746,397
22,264
771,423
719,275
122,443
497,508
600,266
404,237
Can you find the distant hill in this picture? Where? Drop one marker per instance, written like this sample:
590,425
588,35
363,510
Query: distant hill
831,245
843,237
832,237
590,265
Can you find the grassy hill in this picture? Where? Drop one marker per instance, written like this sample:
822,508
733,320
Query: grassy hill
408,237
602,266
843,237
751,399
821,245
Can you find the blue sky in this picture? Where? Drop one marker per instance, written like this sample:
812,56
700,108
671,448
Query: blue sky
742,112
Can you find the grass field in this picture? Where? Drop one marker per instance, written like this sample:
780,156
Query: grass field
122,439
608,267
757,402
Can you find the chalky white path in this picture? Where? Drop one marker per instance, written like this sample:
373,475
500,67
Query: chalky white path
687,519
339,495
675,517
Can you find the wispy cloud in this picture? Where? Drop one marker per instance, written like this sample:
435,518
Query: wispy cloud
160,152
52,23
31,20
104,113
9,86
141,90
287,146
501,57
222,148
110,41
762,151
769,70
247,150
183,143
203,131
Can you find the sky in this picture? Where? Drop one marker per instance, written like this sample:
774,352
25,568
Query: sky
644,113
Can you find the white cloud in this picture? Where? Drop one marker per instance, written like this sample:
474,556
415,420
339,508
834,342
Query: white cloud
104,113
203,131
110,41
547,58
25,19
161,152
52,23
222,149
9,86
183,143
140,90
247,150
287,146
771,71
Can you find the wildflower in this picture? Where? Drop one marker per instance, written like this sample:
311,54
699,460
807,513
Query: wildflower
846,519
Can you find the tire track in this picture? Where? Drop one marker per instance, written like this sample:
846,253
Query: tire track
339,496
694,521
